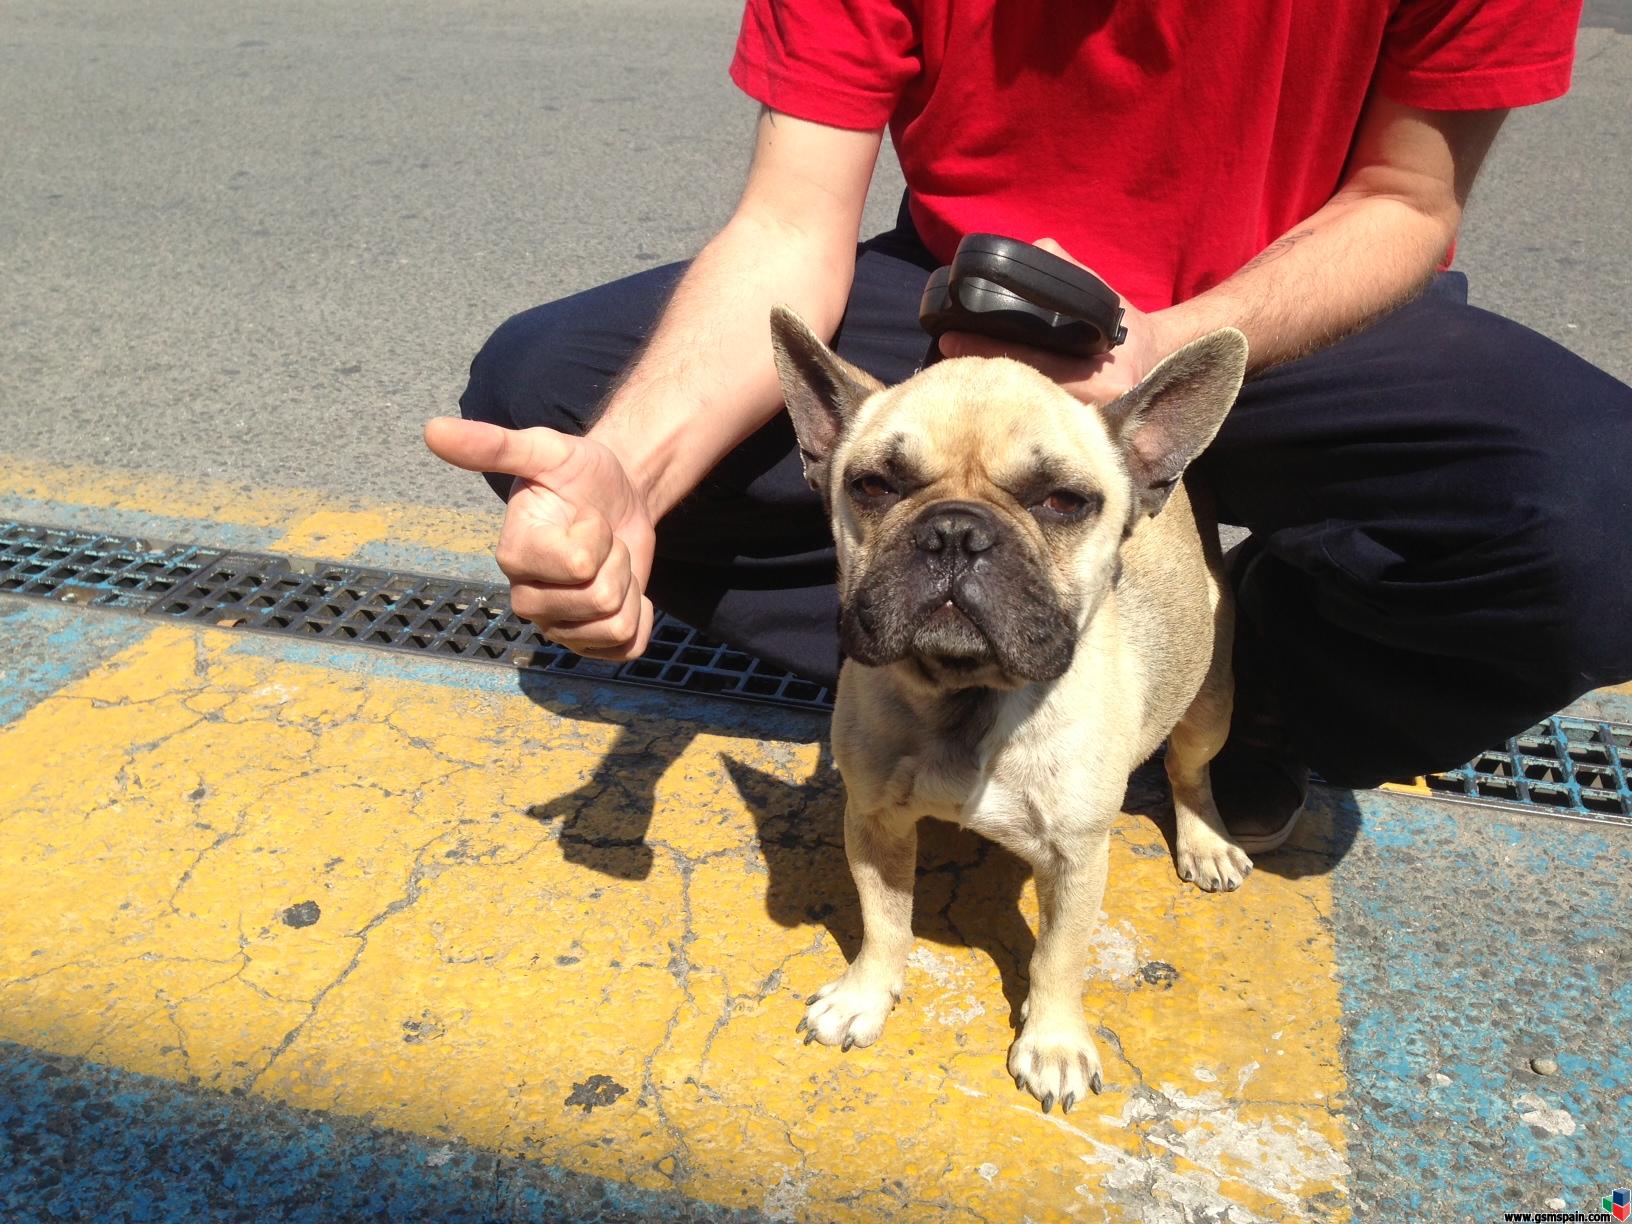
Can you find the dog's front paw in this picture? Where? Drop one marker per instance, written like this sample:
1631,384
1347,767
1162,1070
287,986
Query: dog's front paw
1210,860
849,1012
1056,1063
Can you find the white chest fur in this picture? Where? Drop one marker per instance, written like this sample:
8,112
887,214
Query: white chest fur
1013,785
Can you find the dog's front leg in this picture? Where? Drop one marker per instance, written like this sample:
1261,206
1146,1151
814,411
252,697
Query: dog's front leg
1054,1057
883,851
1205,853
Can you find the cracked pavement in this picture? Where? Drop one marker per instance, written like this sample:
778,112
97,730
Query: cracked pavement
576,928
545,933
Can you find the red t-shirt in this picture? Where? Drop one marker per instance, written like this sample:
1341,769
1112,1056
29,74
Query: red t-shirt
1163,142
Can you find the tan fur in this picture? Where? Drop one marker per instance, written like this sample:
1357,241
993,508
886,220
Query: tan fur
1039,767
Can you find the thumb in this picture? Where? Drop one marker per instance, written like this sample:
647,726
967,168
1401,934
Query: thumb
478,446
1054,248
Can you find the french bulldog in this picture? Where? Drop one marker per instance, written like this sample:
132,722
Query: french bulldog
1028,609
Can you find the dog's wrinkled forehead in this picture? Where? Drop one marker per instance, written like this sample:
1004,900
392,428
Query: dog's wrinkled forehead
985,412
974,420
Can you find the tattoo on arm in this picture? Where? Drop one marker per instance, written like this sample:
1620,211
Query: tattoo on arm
1277,248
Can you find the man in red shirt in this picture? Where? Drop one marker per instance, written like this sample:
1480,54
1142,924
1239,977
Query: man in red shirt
1436,496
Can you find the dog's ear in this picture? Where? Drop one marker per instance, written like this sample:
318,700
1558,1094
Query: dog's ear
1171,416
821,389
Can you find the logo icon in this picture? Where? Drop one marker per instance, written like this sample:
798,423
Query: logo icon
1619,1203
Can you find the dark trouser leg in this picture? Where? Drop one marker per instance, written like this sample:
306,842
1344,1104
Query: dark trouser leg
748,556
1444,504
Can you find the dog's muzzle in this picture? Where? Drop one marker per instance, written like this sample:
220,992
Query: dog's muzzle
955,590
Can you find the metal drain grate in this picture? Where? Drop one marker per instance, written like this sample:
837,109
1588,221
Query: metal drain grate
101,570
360,606
1567,767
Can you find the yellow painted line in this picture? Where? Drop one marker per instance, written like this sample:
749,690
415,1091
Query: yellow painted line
339,533
316,524
492,937
1417,786
154,493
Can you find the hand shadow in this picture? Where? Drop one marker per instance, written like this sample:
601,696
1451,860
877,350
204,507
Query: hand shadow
603,824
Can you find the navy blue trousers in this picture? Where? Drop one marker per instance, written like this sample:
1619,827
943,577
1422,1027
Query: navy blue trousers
1443,503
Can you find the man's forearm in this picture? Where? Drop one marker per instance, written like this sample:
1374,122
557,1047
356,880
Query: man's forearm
1374,246
1356,259
706,380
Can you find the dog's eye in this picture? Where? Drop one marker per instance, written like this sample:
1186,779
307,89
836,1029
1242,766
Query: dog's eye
872,488
1062,505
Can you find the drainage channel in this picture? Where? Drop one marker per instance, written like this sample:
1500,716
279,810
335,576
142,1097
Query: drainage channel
1568,767
357,606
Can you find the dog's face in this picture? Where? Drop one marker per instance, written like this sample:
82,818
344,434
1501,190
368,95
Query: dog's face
979,508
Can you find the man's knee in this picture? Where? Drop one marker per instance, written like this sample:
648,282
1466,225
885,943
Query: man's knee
501,375
1583,543
554,364
1573,477
510,371
1531,573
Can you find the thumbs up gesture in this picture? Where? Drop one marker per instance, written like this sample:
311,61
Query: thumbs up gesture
577,539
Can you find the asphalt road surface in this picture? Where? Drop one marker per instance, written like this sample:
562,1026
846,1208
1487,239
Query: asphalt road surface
263,245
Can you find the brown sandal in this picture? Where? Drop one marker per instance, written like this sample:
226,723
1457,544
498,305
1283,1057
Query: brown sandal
1260,793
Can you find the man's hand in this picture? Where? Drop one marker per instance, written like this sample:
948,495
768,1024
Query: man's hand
577,539
1093,380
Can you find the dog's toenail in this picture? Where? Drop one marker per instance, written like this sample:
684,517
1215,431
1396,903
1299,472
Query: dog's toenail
848,1042
1068,1100
1098,1085
1048,1102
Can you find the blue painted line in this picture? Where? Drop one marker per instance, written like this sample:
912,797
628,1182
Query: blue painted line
82,1141
50,645
1469,943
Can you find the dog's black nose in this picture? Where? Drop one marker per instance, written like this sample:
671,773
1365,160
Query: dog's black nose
955,526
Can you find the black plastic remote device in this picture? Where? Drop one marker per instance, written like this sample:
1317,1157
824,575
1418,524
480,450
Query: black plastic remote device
1010,290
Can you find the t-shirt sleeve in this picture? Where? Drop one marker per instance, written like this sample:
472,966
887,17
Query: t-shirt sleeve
1478,54
838,62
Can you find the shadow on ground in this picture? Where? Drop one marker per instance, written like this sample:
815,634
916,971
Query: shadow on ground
89,1142
968,891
